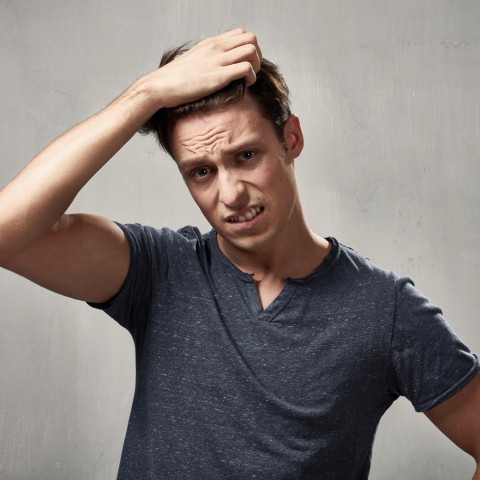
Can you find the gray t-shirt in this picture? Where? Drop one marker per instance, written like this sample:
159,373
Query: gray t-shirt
228,390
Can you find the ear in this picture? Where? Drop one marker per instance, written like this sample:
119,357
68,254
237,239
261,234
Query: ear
292,133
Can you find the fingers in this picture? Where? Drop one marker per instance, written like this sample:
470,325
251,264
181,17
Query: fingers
243,53
235,46
207,67
242,39
240,70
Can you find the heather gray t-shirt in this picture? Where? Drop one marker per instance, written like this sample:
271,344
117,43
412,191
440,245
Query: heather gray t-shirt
227,390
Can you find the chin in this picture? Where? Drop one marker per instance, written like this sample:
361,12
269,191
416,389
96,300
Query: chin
247,245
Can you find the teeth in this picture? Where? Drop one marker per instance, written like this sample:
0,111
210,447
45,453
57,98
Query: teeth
252,213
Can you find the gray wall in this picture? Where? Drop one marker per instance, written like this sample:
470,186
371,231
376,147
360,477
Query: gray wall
389,96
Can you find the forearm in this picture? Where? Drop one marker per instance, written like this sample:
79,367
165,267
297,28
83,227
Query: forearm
35,200
33,203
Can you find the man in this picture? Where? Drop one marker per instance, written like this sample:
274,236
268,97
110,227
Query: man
262,349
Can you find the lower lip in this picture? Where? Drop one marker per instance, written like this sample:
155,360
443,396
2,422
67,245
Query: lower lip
248,223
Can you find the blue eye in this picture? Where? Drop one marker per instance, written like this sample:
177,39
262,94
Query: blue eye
248,155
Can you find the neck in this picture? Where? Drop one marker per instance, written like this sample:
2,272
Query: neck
295,253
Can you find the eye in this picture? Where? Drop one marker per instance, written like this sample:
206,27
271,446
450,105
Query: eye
201,172
248,155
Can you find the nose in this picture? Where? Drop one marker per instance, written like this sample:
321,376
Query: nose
232,191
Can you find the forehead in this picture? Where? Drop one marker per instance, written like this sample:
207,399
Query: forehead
219,128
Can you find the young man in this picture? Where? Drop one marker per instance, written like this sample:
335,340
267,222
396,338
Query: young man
262,349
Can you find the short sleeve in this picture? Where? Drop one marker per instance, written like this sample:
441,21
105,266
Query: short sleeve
130,306
429,363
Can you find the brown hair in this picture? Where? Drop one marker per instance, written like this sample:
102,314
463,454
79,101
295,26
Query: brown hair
269,91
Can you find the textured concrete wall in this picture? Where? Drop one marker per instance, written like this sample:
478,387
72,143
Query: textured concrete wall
389,97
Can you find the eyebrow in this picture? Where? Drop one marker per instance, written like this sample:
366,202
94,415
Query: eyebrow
198,161
190,163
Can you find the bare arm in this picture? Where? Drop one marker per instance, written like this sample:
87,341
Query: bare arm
87,257
459,419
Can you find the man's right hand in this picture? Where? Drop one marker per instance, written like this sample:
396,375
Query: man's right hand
83,256
207,67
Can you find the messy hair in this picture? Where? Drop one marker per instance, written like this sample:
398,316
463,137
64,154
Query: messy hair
270,93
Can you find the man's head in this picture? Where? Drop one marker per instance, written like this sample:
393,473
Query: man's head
241,174
269,92
235,150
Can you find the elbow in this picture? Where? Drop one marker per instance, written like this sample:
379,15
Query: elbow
10,244
18,242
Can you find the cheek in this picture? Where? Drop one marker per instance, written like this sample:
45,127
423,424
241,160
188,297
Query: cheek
204,199
280,180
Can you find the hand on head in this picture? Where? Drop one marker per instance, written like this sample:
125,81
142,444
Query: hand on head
207,67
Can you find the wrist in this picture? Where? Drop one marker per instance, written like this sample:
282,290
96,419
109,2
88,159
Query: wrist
143,96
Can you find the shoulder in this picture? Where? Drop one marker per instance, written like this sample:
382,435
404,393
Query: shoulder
359,277
358,267
184,248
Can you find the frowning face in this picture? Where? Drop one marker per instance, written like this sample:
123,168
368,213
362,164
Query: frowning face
240,174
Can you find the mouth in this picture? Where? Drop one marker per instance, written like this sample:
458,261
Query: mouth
249,215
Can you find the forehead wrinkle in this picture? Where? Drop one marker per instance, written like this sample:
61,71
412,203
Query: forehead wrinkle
205,142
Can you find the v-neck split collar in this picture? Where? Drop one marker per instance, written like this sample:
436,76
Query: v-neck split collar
249,290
